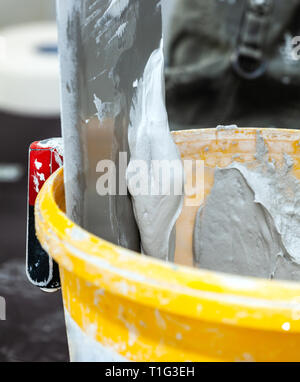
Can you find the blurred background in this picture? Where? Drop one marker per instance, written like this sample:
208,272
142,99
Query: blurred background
227,62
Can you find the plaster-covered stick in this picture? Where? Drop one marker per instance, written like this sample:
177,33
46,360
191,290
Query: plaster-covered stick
105,47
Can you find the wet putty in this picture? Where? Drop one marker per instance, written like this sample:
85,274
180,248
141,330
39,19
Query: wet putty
150,141
250,223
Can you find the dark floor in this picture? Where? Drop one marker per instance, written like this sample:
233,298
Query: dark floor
34,329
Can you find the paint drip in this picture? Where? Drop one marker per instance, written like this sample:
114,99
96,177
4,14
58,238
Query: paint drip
150,140
250,222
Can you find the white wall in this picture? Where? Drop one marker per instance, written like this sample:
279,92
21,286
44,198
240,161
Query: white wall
20,11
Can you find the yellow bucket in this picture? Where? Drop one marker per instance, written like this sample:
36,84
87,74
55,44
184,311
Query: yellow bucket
121,305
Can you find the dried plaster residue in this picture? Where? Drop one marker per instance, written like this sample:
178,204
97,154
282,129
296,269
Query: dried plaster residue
250,222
